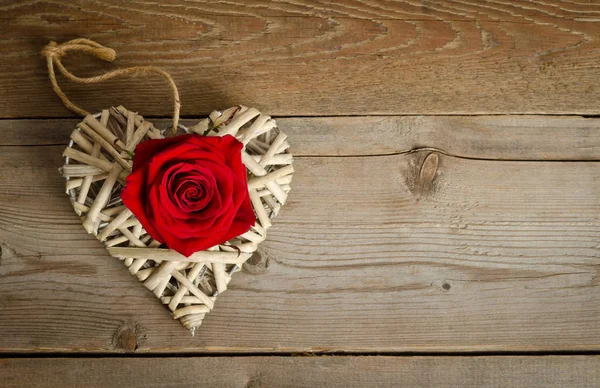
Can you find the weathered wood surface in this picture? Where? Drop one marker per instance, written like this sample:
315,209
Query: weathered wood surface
314,57
402,252
309,372
479,137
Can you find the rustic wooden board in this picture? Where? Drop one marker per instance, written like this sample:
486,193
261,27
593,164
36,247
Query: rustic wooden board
314,57
478,137
309,372
376,253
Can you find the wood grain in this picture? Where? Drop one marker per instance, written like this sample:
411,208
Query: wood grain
479,137
309,372
370,254
313,57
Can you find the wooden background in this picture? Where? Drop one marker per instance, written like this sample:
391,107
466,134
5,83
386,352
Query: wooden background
444,223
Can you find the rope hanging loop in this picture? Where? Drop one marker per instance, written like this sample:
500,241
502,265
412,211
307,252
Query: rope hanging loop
54,52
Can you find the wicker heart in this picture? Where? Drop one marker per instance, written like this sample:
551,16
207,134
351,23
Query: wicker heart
97,164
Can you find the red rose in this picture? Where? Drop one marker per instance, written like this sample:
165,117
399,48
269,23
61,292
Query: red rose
190,192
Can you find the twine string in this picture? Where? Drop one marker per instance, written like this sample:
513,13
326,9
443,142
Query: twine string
54,52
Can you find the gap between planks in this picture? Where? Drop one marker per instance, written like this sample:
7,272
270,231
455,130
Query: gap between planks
399,153
300,353
493,138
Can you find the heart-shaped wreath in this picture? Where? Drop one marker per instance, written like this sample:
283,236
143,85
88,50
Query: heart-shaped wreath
184,209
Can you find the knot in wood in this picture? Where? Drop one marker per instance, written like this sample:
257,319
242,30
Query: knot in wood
257,263
427,173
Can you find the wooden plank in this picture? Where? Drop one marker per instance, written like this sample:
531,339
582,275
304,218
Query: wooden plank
297,372
370,254
480,137
313,57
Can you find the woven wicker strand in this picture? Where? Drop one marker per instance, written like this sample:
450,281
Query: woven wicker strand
97,162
